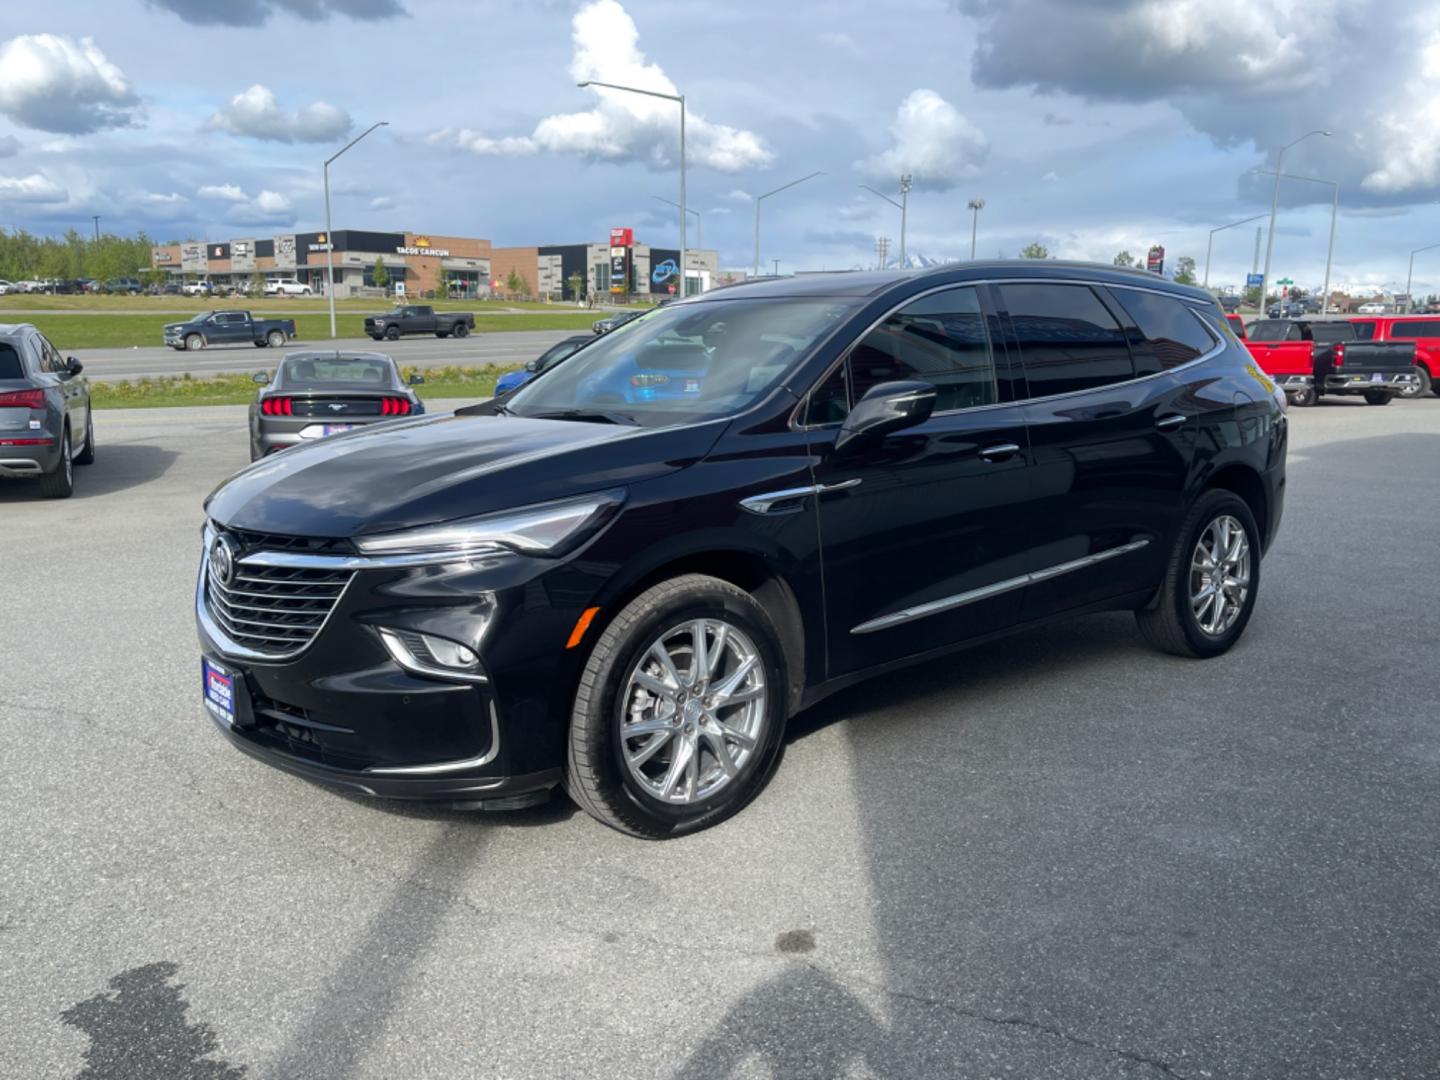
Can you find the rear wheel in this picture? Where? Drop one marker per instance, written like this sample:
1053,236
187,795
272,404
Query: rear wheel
87,456
1211,580
194,342
1421,388
680,711
392,333
275,339
59,483
1304,397
461,330
1378,397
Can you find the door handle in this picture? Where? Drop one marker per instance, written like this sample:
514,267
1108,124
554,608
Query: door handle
1171,422
1000,452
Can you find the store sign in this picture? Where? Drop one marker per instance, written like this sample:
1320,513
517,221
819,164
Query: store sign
242,255
622,238
160,256
1155,260
664,272
417,249
284,252
219,251
192,257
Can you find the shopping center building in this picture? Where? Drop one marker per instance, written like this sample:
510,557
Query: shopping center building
420,264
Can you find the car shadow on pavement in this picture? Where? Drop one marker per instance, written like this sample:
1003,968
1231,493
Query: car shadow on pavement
556,809
117,468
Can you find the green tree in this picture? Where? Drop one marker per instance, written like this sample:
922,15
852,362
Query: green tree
1035,251
1124,258
1185,270
379,274
516,283
576,283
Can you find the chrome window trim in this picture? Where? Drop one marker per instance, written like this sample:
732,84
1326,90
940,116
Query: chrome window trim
448,766
949,603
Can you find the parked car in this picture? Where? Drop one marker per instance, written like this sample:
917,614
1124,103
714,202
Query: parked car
287,287
6,287
314,395
1310,359
198,288
1289,310
126,285
633,599
419,319
1423,332
512,380
228,328
617,320
45,424
1372,308
170,288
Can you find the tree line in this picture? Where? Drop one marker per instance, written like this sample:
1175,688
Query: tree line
25,256
1184,265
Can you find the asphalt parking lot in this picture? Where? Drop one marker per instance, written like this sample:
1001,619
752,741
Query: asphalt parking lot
1062,855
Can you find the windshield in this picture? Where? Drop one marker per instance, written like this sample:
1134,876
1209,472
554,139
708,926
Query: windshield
302,372
685,362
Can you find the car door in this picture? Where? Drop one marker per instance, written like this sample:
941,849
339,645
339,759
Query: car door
1112,432
71,388
923,532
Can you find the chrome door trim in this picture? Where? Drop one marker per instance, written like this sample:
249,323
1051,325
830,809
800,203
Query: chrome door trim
761,504
448,766
949,603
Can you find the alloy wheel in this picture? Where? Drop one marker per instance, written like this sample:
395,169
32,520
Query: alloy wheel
693,711
1220,575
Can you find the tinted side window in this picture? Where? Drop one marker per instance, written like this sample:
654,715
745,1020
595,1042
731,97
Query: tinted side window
11,365
939,339
1173,333
50,357
1417,328
1068,339
1332,331
830,401
1364,331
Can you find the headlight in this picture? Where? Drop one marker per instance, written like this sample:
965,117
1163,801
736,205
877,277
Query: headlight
544,529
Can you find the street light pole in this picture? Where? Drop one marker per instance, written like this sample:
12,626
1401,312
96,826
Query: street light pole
96,218
1274,206
329,240
680,100
699,233
975,206
904,190
1410,275
1210,243
767,194
1334,213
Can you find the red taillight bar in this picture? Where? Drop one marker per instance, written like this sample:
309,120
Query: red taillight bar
23,399
394,407
1340,354
279,406
26,442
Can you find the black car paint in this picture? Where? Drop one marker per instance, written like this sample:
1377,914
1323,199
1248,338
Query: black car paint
1091,470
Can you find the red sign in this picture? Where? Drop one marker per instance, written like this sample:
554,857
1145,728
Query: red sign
622,238
1155,261
672,290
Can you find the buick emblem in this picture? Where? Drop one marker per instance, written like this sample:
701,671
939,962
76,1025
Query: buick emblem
222,559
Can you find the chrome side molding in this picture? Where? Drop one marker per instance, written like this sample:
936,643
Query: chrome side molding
949,603
790,500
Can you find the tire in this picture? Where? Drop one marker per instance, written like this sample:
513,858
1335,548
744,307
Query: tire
1378,397
194,342
275,339
59,483
87,456
375,337
392,333
1426,385
461,330
1304,398
442,333
1171,621
599,777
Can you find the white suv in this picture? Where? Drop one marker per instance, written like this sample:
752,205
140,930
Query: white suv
286,287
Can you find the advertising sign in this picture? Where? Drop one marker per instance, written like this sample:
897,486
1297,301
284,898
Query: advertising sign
1155,260
1254,281
242,255
284,253
160,255
192,258
620,269
622,238
664,271
219,251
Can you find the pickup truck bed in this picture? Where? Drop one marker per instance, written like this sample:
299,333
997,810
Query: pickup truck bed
1311,359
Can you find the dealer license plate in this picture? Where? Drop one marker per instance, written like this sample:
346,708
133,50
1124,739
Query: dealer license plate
334,429
219,690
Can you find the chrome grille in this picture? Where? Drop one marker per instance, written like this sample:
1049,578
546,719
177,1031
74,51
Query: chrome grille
274,611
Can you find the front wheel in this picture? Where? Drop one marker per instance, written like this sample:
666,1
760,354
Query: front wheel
1378,397
1420,389
1211,580
680,711
194,342
392,333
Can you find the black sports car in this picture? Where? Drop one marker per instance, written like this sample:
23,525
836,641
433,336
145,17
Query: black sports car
324,392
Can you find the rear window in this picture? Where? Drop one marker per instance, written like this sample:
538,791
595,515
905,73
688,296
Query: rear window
1415,328
1173,333
1330,332
1364,331
11,366
301,372
1270,330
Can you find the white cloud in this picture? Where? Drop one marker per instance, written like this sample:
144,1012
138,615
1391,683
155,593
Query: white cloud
54,83
838,40
272,202
34,188
255,114
225,192
381,202
267,208
623,126
737,195
257,12
932,141
174,198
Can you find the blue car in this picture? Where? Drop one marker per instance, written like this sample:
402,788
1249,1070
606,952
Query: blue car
512,380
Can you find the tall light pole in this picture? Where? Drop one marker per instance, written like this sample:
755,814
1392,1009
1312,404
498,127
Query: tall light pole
679,99
767,194
329,240
699,234
1210,243
904,196
975,206
1410,275
96,219
1334,213
1274,206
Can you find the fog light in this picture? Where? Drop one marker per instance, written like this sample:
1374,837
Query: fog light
426,654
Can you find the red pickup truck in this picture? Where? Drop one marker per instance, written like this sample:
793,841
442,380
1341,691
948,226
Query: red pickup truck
1423,330
1309,359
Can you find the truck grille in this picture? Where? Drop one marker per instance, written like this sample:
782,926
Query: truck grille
273,610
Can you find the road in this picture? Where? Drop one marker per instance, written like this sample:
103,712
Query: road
1061,855
503,347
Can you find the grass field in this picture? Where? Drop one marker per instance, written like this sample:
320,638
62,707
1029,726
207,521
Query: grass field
101,331
120,305
440,383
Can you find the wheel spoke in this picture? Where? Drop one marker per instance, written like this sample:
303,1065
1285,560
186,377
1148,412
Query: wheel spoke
717,654
738,737
645,727
736,677
649,750
684,754
739,697
654,685
667,663
722,753
699,657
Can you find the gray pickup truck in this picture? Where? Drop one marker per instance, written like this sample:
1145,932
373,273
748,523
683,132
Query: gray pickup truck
228,328
1313,357
419,319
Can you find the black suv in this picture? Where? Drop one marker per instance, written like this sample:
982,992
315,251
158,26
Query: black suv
628,574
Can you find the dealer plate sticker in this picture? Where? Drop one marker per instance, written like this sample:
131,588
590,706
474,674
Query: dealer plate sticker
334,429
219,690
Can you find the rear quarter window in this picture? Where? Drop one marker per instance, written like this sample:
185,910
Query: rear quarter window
11,365
1174,334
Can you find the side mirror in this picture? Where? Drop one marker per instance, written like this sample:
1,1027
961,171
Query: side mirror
532,366
75,367
891,406
416,380
260,378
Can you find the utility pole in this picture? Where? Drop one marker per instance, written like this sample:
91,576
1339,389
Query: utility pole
975,206
882,251
1274,206
777,267
96,219
904,203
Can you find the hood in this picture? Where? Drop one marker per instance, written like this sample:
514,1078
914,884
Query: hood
441,467
183,322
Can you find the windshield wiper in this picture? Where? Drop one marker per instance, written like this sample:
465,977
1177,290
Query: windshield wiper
592,415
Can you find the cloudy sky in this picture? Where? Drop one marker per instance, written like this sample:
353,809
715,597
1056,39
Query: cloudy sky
1088,125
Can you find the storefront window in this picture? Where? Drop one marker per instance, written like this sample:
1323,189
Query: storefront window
393,274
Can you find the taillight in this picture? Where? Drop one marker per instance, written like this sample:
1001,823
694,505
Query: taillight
391,406
278,406
23,399
1340,355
